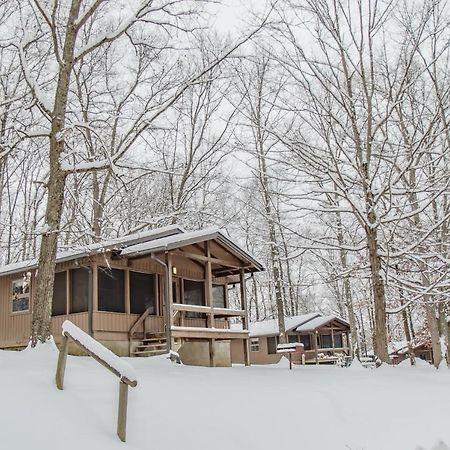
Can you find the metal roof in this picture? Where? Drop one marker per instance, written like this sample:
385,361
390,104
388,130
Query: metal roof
96,248
189,238
142,244
319,322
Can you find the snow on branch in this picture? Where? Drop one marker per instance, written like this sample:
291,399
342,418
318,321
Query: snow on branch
41,98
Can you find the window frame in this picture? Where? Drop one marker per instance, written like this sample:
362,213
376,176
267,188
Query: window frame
20,296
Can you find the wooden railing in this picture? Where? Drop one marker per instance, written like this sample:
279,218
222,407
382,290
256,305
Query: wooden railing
107,359
207,310
140,321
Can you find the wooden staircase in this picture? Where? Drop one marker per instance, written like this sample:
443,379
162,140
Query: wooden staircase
153,344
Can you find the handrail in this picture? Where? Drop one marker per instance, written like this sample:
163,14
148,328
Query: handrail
107,359
139,321
207,310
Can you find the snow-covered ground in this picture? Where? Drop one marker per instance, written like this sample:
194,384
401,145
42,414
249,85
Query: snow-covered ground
240,408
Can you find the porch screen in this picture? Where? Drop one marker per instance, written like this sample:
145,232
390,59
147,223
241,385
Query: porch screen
218,295
79,279
142,292
59,305
338,340
111,290
194,294
325,341
306,341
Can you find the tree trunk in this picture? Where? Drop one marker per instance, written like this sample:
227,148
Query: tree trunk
43,292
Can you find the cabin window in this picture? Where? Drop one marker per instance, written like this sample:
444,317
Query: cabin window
272,345
292,338
218,291
142,292
254,344
338,340
111,290
21,294
79,290
59,301
194,294
305,339
325,341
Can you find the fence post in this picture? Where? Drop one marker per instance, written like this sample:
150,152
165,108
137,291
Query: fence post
62,358
122,414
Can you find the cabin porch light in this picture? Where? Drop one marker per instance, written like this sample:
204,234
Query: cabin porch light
174,270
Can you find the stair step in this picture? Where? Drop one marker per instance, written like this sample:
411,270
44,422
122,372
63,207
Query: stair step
149,352
156,341
151,347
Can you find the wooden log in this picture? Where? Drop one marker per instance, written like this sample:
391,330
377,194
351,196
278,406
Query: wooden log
61,367
122,412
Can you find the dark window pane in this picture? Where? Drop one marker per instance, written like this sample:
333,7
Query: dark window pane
338,340
306,341
79,280
20,295
174,292
292,338
59,305
142,292
194,294
111,291
218,291
20,304
325,341
271,345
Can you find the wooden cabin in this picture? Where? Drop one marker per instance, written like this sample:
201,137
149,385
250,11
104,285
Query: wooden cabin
141,295
399,351
324,339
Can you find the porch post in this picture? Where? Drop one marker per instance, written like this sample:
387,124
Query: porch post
209,289
210,302
169,299
315,346
332,339
90,301
245,317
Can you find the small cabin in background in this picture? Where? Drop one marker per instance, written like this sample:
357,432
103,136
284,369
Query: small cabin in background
399,351
324,338
141,294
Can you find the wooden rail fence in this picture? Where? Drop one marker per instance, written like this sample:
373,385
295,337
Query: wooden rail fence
107,359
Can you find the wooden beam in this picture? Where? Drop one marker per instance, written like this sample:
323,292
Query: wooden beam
195,256
191,308
62,358
208,286
207,333
122,412
245,316
169,307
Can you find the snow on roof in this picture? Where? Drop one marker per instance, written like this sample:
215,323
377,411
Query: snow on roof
270,326
99,247
184,239
318,322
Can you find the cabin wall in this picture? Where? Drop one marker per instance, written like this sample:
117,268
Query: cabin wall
111,328
260,357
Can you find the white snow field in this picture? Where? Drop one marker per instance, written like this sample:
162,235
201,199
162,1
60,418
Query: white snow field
239,408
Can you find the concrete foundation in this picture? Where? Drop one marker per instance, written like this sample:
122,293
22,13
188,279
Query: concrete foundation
198,353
